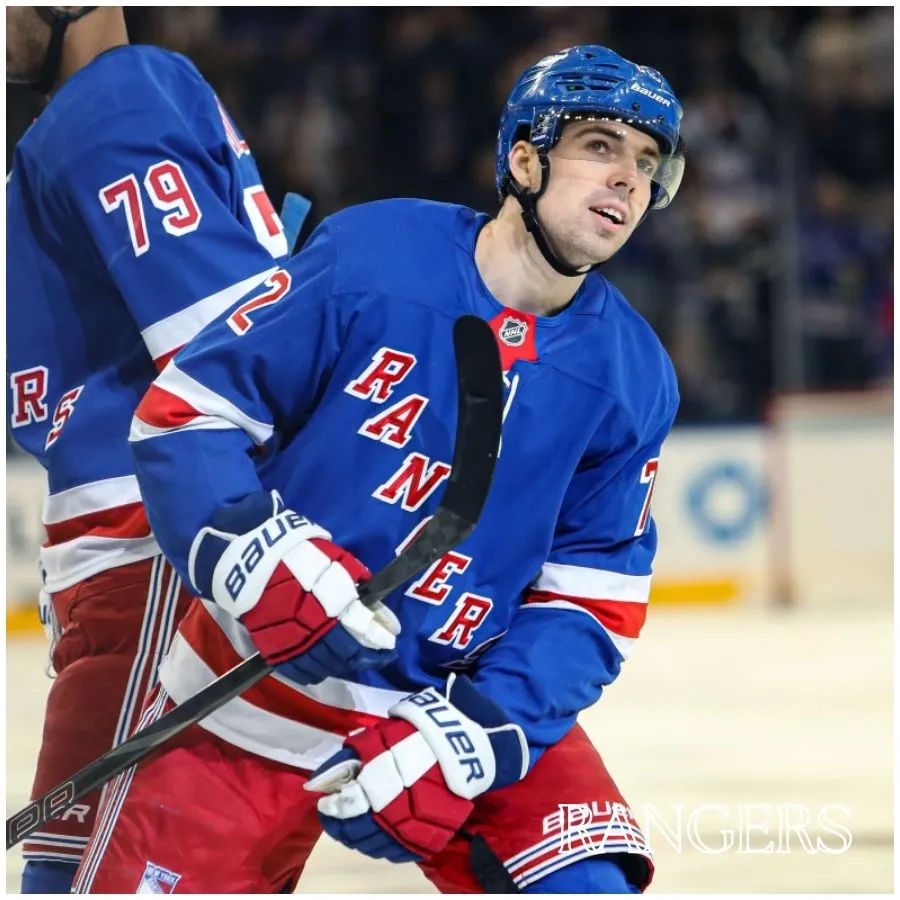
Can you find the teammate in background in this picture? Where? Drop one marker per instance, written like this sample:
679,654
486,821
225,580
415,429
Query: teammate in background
135,216
330,391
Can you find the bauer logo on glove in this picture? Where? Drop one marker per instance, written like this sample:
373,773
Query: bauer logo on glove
401,789
462,747
266,537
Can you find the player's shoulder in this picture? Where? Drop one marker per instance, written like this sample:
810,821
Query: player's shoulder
400,246
137,74
411,222
635,331
634,363
131,88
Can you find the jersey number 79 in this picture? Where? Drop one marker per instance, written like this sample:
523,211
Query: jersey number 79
168,189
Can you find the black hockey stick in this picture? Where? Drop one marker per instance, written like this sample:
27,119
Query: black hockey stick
474,455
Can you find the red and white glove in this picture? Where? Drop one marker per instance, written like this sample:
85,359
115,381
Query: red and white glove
401,789
293,589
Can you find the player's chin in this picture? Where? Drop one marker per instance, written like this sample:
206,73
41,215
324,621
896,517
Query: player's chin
600,244
599,250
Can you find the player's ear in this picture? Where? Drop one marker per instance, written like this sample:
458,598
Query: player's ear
524,165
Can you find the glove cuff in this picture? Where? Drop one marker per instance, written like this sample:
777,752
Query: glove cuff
233,558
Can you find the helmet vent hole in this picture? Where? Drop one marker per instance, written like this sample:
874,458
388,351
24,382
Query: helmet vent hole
595,81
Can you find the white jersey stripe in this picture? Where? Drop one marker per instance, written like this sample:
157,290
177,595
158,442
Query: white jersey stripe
47,837
592,584
209,403
175,331
108,493
70,561
73,561
141,431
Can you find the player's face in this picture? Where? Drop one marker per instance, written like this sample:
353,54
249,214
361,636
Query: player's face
599,188
27,37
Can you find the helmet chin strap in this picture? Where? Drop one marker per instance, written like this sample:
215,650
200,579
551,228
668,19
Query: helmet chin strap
58,22
528,201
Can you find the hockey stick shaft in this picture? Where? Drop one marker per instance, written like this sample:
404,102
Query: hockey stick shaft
474,456
294,211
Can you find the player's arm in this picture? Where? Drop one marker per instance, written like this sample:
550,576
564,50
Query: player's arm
245,380
249,377
582,615
157,205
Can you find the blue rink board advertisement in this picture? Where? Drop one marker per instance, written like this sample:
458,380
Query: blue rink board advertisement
734,508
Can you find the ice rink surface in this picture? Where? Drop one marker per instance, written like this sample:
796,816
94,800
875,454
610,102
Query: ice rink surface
719,715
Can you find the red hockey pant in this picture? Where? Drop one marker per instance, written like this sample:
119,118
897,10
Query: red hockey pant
203,816
116,627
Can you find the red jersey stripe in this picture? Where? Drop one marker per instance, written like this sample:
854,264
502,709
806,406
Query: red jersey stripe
210,643
621,616
127,521
160,409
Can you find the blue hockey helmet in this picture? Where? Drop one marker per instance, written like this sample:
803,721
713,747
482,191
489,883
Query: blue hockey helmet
593,82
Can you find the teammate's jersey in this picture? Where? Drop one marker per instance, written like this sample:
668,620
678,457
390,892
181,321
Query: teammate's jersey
135,215
335,384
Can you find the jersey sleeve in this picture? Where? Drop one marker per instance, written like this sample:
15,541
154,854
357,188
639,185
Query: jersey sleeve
165,213
247,380
581,616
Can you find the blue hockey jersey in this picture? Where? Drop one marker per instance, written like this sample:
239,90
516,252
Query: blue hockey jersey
334,383
135,215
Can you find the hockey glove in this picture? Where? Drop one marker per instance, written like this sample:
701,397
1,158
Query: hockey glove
401,789
293,589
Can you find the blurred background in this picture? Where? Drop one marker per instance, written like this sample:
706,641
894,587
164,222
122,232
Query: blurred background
765,671
774,268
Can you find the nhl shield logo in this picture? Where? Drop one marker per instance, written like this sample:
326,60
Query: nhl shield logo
157,880
512,332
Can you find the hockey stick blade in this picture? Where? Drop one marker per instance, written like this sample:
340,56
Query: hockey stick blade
474,456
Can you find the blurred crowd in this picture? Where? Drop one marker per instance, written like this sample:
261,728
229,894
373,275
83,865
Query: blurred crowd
788,196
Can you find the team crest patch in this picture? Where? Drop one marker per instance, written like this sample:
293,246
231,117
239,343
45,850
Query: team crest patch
512,332
157,880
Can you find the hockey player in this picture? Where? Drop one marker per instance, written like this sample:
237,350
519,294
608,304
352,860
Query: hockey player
306,437
135,215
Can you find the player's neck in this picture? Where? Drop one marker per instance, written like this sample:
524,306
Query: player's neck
87,38
516,274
